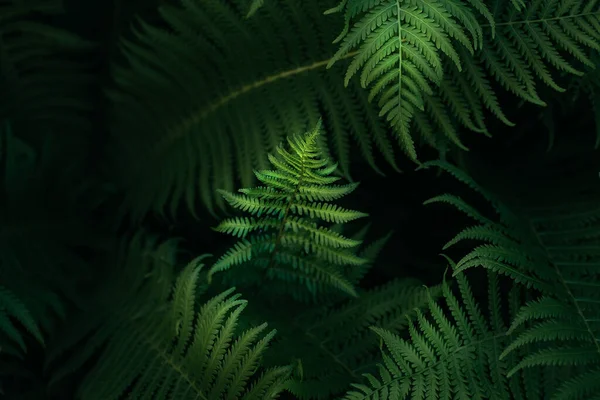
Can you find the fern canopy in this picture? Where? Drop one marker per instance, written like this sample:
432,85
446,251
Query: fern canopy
285,238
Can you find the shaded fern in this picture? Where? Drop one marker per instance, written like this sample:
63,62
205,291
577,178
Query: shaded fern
446,354
332,344
12,307
550,247
157,343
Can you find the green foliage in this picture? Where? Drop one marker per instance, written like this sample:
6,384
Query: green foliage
551,248
450,354
157,343
332,344
441,81
39,271
285,238
223,117
198,97
412,54
12,307
45,76
254,6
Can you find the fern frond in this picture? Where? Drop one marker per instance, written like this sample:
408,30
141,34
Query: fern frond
464,50
38,232
568,325
552,248
329,344
291,243
43,76
401,45
245,76
12,307
159,342
530,41
448,354
254,6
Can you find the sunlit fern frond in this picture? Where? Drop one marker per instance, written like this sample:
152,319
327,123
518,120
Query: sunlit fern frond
401,46
285,238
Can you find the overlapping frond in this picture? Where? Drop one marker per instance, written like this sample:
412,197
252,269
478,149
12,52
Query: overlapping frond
333,344
285,238
45,78
434,65
451,352
157,342
566,321
551,247
199,106
400,49
37,236
13,307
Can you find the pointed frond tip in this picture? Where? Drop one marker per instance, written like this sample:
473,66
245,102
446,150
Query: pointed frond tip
286,237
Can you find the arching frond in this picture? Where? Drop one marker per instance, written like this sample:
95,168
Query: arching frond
199,105
157,343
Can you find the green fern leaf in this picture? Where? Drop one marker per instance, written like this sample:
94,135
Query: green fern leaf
289,241
456,61
400,49
12,307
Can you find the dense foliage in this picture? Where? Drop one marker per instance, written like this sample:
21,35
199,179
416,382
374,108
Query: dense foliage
138,137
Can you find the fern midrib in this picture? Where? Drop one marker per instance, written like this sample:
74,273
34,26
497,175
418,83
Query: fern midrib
564,283
185,127
537,21
170,362
398,9
286,213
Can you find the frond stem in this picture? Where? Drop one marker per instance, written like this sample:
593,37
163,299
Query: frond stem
185,127
536,21
565,284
